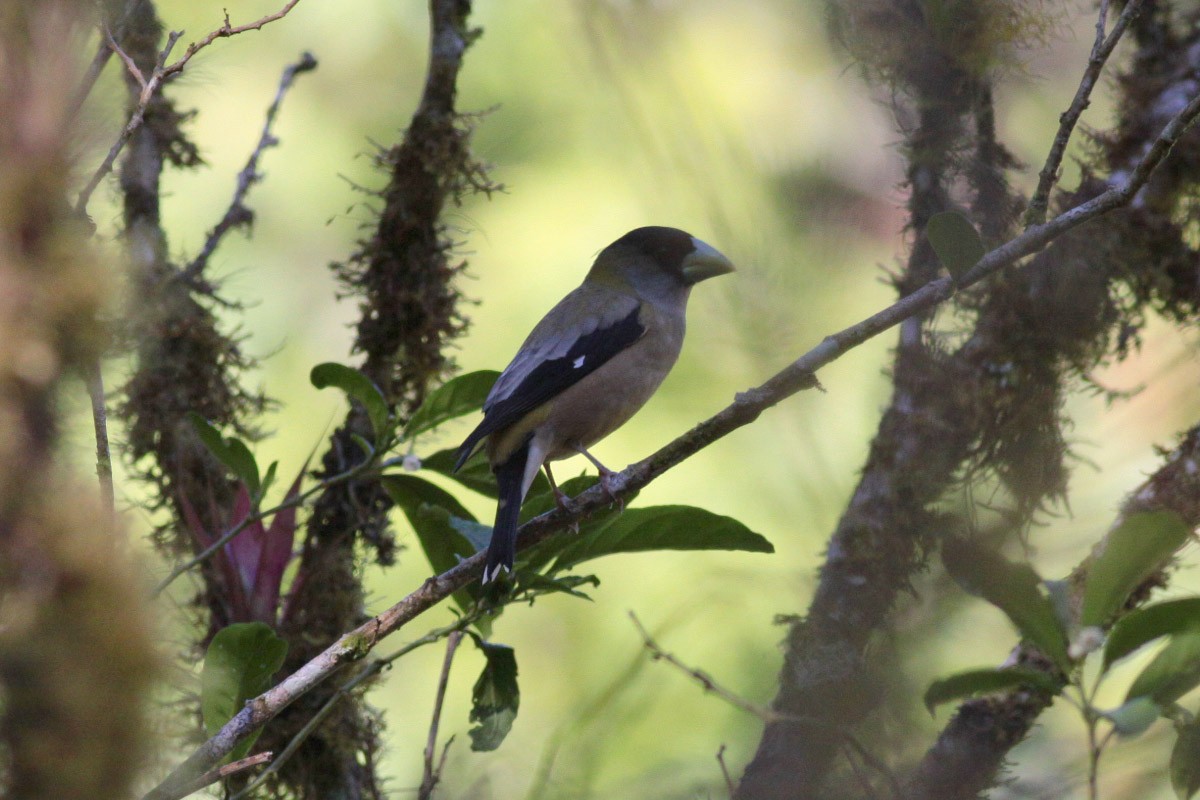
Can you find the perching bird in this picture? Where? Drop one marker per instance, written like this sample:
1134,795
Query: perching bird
587,367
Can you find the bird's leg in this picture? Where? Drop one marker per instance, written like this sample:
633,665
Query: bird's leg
606,475
560,498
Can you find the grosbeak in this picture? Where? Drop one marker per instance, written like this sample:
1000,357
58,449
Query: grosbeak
587,367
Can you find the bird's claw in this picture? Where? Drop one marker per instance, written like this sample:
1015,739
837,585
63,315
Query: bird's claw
561,501
566,505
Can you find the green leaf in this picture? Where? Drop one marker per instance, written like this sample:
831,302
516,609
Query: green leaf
410,493
659,528
563,584
447,532
1013,588
955,240
495,698
1133,717
984,681
1185,761
476,474
1147,624
451,400
230,451
478,534
237,667
269,478
1142,544
359,387
1174,672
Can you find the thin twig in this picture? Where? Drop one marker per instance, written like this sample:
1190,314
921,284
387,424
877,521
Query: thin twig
707,681
149,86
730,786
130,66
797,376
100,60
237,213
94,379
1101,49
441,766
224,771
768,715
224,32
432,774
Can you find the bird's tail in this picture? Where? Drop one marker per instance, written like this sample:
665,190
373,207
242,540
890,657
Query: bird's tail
510,478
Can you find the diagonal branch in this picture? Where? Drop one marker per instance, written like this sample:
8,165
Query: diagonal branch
707,682
237,213
748,405
1101,50
224,771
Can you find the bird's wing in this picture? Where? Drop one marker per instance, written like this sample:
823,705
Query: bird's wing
579,335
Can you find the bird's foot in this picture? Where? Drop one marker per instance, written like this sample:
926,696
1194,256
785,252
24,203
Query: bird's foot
566,504
561,501
606,477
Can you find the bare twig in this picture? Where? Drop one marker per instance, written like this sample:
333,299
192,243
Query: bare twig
707,682
748,405
103,54
433,773
765,714
237,213
224,32
95,387
730,786
150,85
1101,50
224,771
130,66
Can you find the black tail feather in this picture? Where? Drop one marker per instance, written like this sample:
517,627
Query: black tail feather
502,550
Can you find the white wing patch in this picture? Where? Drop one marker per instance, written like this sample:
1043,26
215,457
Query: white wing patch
601,307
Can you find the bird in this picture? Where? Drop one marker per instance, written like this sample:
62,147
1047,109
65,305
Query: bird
590,364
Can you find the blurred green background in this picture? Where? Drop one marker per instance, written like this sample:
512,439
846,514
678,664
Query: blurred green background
739,123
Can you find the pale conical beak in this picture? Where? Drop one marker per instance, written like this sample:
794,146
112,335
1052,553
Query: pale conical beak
704,262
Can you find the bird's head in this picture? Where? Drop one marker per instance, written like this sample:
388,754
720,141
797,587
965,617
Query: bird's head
658,263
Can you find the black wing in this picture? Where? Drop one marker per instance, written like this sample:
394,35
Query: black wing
553,376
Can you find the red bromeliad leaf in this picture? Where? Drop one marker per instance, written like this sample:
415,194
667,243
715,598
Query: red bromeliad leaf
274,557
244,551
253,562
235,597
